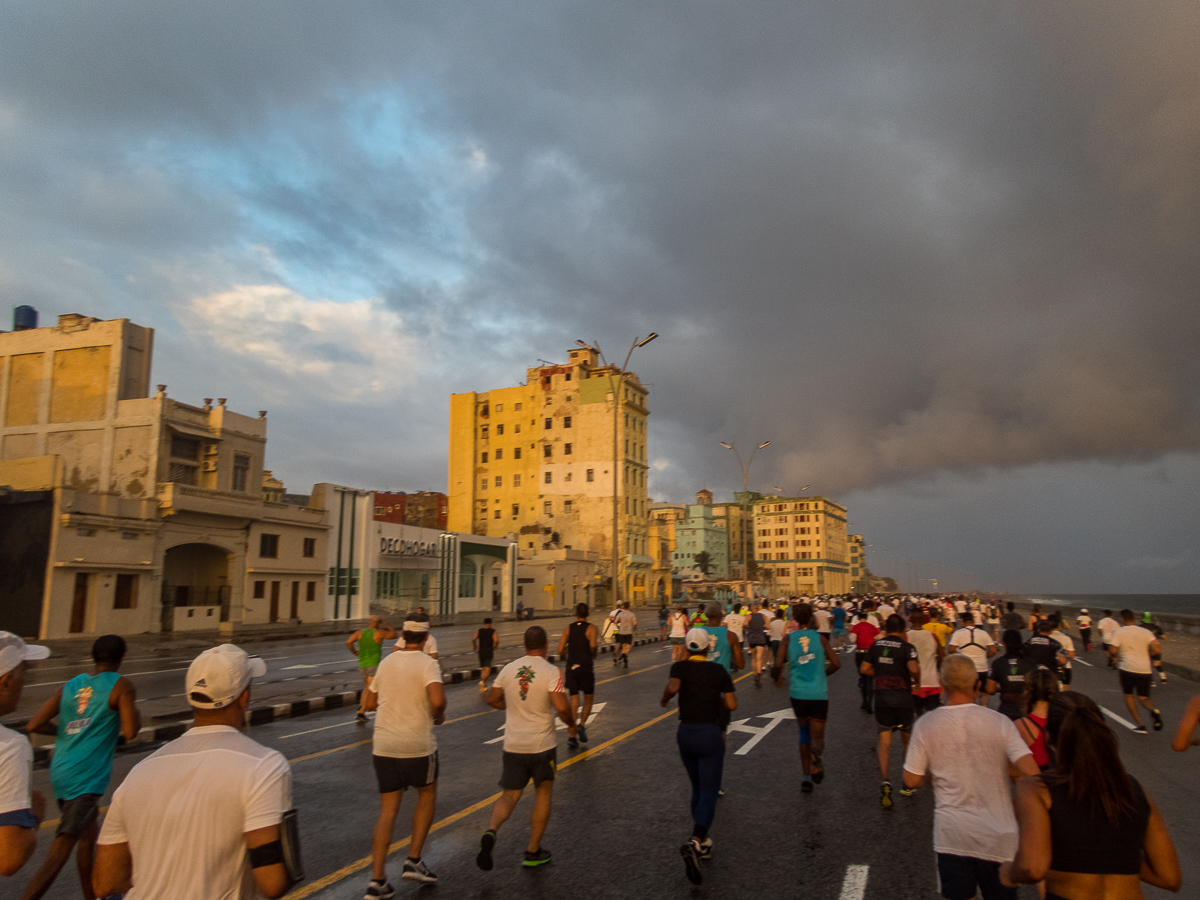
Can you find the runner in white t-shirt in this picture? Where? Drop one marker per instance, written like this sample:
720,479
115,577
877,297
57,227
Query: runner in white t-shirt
407,692
929,656
977,645
530,691
678,622
1131,645
21,808
201,817
1107,626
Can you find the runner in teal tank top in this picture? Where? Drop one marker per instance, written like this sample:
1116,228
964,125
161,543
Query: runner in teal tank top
810,660
93,711
721,647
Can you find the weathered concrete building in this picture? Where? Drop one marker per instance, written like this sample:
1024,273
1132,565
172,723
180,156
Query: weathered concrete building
802,545
122,512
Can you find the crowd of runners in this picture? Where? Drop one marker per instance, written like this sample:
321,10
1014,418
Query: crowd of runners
210,813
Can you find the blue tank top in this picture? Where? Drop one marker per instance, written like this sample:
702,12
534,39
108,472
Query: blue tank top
87,736
839,617
806,659
718,646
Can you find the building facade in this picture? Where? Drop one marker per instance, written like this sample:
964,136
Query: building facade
857,552
548,459
122,512
737,518
801,545
699,531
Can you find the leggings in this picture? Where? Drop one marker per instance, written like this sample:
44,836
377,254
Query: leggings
702,749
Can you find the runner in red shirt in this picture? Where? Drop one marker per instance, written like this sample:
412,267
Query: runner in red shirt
864,636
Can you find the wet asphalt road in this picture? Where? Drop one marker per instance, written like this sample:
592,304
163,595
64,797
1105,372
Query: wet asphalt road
621,812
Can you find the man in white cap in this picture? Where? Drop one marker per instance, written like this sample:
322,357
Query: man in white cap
407,692
202,817
21,807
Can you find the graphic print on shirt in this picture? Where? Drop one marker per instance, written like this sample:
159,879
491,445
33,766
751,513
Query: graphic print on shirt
82,698
805,655
525,678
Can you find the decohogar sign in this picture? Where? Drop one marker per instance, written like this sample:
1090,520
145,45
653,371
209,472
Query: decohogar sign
398,547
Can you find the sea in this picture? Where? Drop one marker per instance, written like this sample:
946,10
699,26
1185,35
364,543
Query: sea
1175,604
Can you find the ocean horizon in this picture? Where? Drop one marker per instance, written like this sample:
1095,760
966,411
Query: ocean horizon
1172,604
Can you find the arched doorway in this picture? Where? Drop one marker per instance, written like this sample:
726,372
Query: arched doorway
197,575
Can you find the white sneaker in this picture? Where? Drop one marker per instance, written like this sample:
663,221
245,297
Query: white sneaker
418,871
379,890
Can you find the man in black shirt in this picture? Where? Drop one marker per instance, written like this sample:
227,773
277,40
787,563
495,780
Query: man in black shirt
1045,650
484,643
1012,620
578,642
892,661
1007,675
706,698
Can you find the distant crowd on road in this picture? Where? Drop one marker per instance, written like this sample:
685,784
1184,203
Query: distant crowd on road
210,813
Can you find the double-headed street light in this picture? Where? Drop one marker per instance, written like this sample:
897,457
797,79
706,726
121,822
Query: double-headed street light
615,381
745,467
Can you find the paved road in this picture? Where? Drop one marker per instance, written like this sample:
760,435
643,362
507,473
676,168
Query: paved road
621,807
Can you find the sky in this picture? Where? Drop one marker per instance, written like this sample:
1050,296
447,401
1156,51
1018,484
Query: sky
941,255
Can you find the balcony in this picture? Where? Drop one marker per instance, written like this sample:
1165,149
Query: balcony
634,559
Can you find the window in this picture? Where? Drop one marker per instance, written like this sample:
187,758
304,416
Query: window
483,456
549,423
516,429
125,595
181,473
483,432
483,484
591,474
499,430
568,378
268,546
497,515
310,547
549,478
260,590
566,421
516,481
241,471
499,455
483,410
183,447
499,407
566,449
517,453
499,481
566,506
517,407
568,478
310,592
547,450
548,508
516,510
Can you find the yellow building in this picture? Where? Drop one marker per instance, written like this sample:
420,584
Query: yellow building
857,551
125,513
738,521
801,545
537,460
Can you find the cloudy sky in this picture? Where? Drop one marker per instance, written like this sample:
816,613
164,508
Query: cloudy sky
942,255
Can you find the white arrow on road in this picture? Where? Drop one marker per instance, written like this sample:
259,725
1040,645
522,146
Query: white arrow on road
759,732
561,724
314,666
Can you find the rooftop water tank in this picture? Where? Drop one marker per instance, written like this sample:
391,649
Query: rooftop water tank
24,318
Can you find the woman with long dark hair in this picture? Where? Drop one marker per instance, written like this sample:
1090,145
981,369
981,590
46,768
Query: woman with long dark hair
1087,827
1041,686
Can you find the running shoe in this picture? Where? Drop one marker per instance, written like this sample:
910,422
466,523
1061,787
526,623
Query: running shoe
691,861
1157,719
379,890
538,857
487,843
885,795
1162,677
1141,729
572,743
818,769
806,786
758,679
908,792
360,717
416,870
706,848
582,732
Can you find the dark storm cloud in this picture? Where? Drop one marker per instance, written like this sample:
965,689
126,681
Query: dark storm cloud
896,239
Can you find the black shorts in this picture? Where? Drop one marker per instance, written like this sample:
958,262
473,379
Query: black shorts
520,768
485,662
894,718
78,813
930,703
1135,681
580,680
624,639
810,709
395,774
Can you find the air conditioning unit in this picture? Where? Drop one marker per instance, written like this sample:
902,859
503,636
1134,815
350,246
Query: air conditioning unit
209,465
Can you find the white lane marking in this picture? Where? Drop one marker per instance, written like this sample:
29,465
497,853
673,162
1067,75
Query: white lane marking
311,666
326,728
1116,718
1080,660
560,726
758,732
854,885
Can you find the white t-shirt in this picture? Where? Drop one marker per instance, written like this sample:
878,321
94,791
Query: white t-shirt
1133,649
735,622
960,606
528,683
777,626
404,722
977,652
430,645
927,647
16,771
1107,626
1068,645
678,624
886,610
1084,621
824,620
968,749
184,812
626,622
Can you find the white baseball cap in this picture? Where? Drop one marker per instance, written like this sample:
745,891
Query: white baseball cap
218,676
697,639
1083,610
14,651
410,625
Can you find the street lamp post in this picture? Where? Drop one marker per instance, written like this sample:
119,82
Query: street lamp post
745,467
616,385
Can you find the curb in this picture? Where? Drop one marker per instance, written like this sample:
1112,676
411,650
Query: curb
263,715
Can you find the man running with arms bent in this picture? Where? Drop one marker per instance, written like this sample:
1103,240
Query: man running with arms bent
810,661
578,643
